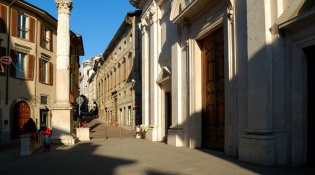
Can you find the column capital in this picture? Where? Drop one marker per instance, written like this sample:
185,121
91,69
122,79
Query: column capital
64,6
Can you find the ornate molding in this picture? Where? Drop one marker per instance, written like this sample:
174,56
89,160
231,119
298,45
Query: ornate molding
64,6
143,25
230,14
154,13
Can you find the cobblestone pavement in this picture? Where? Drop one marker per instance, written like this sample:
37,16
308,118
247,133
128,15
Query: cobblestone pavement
131,156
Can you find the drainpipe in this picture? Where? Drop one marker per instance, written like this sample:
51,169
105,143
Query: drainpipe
8,54
36,56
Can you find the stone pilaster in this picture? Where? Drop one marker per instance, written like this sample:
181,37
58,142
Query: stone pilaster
257,145
62,111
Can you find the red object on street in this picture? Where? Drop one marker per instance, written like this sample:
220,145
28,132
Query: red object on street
82,124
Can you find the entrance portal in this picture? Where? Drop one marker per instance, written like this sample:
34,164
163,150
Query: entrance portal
310,53
213,91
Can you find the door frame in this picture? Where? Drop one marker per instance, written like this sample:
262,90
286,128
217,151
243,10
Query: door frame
32,112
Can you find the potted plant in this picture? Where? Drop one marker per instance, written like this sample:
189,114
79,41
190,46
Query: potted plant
76,123
144,129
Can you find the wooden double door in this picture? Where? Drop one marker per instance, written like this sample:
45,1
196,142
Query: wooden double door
21,114
213,91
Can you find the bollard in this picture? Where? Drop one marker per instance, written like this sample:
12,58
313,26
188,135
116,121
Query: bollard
120,131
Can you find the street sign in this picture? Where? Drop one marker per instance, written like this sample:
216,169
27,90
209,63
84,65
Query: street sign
79,100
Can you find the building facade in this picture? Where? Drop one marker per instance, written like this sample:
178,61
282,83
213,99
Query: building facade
118,75
28,66
84,85
233,76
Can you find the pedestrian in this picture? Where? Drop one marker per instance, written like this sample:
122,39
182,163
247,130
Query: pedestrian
46,133
30,128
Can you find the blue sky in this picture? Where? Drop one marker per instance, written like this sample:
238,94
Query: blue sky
96,21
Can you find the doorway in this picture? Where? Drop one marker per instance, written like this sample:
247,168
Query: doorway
168,113
44,117
310,54
21,113
213,91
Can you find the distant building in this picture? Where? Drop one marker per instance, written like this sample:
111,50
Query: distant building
118,75
29,89
85,68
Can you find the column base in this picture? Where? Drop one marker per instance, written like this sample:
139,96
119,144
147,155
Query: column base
175,137
62,126
257,149
83,134
151,134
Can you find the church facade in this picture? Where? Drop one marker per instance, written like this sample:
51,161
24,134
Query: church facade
232,76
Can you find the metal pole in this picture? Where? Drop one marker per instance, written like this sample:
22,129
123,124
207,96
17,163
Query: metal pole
106,133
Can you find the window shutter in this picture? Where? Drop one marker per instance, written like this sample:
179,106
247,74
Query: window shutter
51,40
40,70
32,30
14,24
30,71
2,53
3,19
12,65
51,73
41,35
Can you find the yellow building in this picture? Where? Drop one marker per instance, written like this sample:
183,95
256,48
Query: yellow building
27,78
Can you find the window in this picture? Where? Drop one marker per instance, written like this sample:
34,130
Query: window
46,38
130,38
187,1
3,19
45,72
21,65
22,30
43,100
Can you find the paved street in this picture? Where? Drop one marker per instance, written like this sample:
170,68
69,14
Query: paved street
121,156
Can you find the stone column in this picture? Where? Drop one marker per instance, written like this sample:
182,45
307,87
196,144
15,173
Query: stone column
62,111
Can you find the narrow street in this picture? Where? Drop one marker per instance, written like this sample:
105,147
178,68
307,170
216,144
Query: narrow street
99,129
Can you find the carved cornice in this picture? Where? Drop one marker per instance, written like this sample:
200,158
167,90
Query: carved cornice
64,6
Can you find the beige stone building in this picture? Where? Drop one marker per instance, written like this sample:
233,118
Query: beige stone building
233,76
27,86
119,75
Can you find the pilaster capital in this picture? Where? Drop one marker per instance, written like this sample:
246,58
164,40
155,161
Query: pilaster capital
154,13
143,25
64,6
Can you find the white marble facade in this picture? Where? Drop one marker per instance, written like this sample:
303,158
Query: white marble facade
266,65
